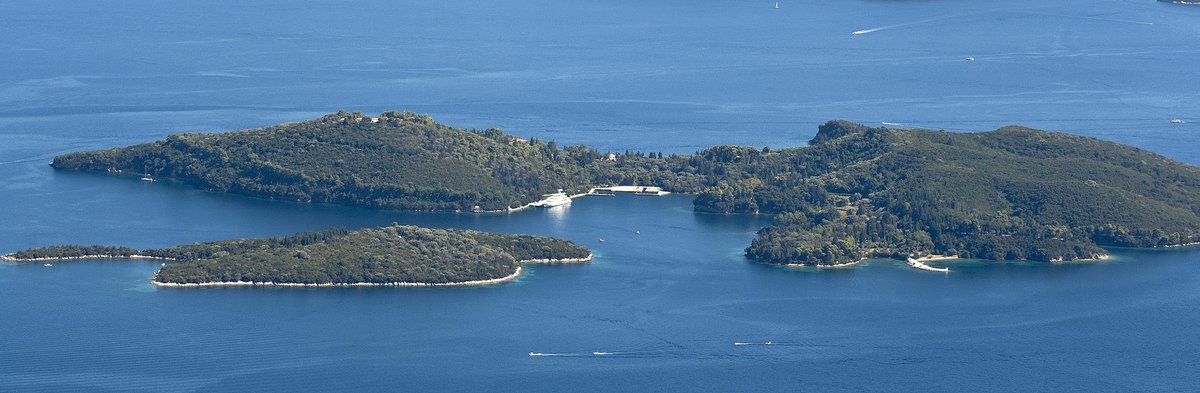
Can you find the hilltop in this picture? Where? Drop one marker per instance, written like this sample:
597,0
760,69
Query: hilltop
396,160
1010,194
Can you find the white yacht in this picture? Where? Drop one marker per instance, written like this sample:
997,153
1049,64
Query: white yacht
556,199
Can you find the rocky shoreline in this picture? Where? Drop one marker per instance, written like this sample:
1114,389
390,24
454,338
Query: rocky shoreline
560,260
10,258
490,281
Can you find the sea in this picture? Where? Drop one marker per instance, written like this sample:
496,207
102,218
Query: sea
669,303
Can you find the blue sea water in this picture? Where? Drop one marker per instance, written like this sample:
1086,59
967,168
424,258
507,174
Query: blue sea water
666,304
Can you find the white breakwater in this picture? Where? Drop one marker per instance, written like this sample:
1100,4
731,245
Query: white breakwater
919,265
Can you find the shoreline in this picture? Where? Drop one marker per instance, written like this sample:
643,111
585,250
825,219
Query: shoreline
549,261
491,281
1093,259
1179,245
10,258
931,258
833,266
154,281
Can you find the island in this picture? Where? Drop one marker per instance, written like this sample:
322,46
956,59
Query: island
388,256
854,192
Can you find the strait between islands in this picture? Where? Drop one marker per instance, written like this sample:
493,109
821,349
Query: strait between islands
854,192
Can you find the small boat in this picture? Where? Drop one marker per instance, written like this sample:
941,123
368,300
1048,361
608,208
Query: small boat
1176,121
740,344
638,232
48,265
147,178
602,240
776,5
556,199
601,353
969,58
535,354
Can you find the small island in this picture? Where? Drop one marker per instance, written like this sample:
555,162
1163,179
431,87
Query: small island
854,192
388,256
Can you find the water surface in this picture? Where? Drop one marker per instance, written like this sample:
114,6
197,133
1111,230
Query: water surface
666,304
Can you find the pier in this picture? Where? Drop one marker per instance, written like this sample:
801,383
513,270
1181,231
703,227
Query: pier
919,265
638,190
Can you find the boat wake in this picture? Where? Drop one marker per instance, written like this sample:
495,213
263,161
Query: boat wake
599,354
906,24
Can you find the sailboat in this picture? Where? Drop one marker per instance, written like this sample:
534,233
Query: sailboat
146,171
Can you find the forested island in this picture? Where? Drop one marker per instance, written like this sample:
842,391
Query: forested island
855,192
392,256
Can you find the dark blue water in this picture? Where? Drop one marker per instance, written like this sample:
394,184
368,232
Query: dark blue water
667,304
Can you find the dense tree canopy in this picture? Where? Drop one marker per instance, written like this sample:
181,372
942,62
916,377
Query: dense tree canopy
1013,193
373,255
855,192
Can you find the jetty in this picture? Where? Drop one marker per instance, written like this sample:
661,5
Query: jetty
595,191
636,190
920,265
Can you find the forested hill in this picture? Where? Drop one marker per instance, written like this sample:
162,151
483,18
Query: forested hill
396,160
1012,193
374,255
855,192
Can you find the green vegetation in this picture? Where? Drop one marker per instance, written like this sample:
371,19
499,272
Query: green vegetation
1010,194
855,192
69,252
374,255
397,160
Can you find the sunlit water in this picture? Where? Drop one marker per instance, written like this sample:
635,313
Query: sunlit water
666,304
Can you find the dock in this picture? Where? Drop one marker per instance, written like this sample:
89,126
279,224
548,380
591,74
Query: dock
919,265
637,190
